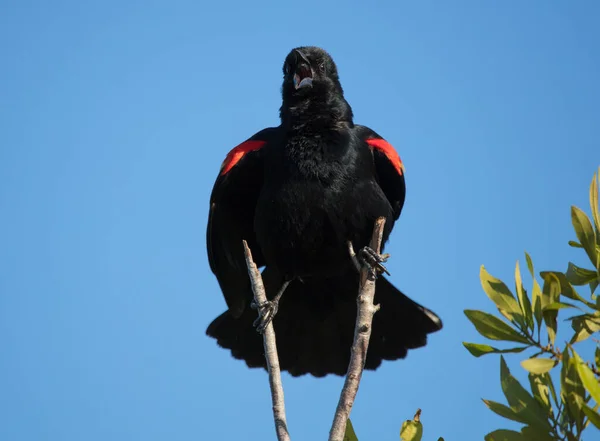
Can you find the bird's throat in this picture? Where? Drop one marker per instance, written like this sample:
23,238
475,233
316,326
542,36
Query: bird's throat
316,112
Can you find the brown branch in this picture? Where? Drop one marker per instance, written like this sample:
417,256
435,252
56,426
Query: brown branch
271,355
549,349
362,333
593,368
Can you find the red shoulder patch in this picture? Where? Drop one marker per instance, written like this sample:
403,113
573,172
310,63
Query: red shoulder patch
237,153
389,151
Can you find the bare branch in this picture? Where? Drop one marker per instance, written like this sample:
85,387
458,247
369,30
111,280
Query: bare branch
362,333
271,355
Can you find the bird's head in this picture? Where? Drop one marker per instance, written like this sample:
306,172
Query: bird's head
311,89
309,71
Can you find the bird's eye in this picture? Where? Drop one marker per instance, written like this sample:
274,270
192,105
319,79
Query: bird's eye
286,69
322,67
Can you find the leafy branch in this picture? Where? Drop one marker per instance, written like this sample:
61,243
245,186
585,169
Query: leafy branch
547,412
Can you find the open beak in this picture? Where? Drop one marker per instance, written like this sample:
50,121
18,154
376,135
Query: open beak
304,74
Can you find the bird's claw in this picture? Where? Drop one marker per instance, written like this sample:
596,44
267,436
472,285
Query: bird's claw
373,261
266,313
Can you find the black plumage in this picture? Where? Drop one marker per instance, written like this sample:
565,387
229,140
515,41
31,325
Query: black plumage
297,193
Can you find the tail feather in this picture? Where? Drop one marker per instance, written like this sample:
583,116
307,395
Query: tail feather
314,326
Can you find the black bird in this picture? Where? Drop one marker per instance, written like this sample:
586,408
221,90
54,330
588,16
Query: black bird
298,193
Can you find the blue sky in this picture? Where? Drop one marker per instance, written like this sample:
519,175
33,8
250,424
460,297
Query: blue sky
115,118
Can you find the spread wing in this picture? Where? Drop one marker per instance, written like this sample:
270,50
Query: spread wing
388,168
231,217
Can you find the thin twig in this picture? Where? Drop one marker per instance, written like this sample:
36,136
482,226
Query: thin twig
593,368
271,355
362,333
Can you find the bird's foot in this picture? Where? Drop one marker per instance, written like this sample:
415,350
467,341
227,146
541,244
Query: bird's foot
373,261
266,313
267,310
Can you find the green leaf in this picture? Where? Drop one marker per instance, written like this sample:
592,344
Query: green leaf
585,233
536,298
505,435
524,302
558,305
594,283
478,350
572,391
566,289
493,328
597,357
535,434
584,326
564,419
350,435
550,295
529,263
412,430
520,401
541,390
539,365
575,244
499,293
504,411
580,276
547,380
590,383
594,201
592,415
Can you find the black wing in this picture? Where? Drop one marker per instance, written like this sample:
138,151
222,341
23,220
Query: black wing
388,168
231,217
